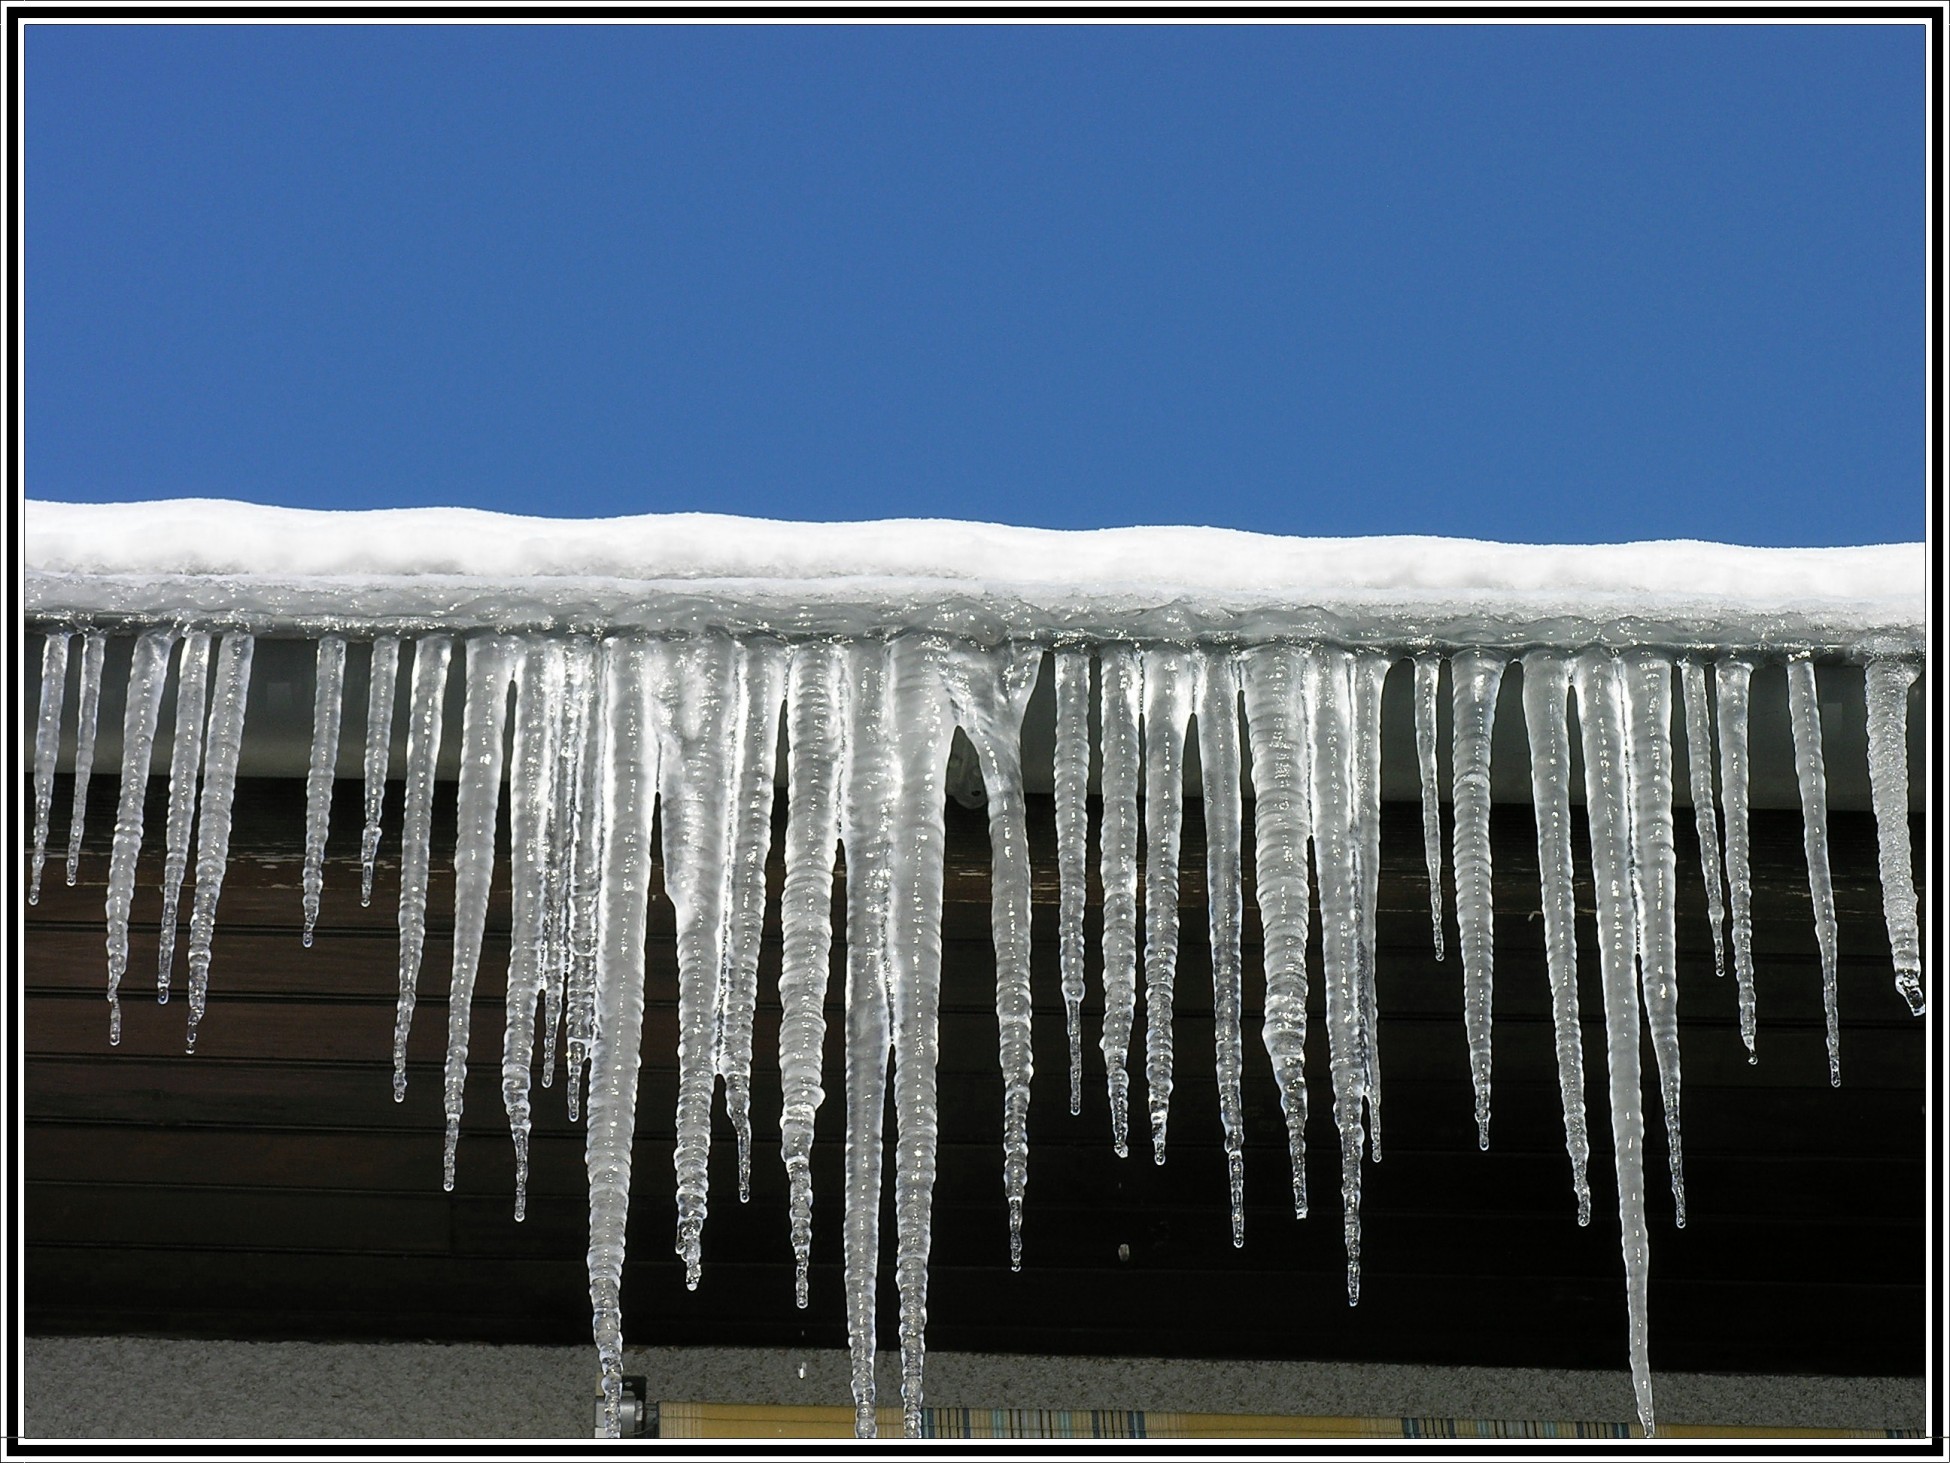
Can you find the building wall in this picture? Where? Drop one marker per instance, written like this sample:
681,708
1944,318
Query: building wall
269,1187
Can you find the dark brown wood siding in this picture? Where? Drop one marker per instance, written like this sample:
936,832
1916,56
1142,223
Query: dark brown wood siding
270,1187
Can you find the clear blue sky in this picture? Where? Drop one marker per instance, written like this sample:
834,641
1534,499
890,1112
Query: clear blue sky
1523,282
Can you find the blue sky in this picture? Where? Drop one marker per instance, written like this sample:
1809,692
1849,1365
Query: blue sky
1537,283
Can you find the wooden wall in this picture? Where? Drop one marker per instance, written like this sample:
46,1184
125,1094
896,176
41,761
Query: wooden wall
270,1187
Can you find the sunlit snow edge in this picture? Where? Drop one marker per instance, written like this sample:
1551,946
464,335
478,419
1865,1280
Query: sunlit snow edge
268,567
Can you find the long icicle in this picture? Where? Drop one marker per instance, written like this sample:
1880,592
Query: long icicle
1370,671
628,787
695,690
1329,695
1271,676
1886,686
1655,879
1071,783
1218,752
1476,676
1731,679
493,661
1699,774
870,790
1120,681
148,670
432,655
185,760
1168,688
925,725
94,648
735,714
751,827
1607,800
318,778
989,691
1804,713
381,686
541,689
223,737
557,838
1546,684
815,751
579,1008
47,745
1428,677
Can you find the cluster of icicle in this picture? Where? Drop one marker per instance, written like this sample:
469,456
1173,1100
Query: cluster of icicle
605,732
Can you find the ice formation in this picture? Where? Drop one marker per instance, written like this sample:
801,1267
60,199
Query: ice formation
223,739
326,701
1477,676
1282,812
1732,681
1546,685
148,665
612,671
185,765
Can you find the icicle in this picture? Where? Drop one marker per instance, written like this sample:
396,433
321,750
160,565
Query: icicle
223,737
870,790
694,687
1428,675
47,745
1218,752
1601,717
492,661
1071,785
556,835
94,645
1271,677
1731,679
921,716
148,669
1546,683
186,756
763,674
585,879
379,748
735,713
1647,678
1476,676
628,792
816,693
1120,683
1804,711
431,656
318,780
1329,697
1370,670
540,689
989,691
1699,771
1168,688
1886,686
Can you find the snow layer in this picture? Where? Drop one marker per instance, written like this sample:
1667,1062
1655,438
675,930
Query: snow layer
265,568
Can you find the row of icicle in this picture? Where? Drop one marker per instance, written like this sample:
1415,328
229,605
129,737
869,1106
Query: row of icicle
604,732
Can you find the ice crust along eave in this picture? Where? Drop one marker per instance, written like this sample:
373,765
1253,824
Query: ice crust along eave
990,611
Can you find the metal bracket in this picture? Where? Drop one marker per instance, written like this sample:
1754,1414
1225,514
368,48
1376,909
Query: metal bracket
636,1415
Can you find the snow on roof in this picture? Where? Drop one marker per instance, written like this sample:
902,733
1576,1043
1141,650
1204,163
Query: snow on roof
270,568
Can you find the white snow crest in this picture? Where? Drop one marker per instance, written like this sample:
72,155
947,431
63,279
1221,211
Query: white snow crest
455,567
